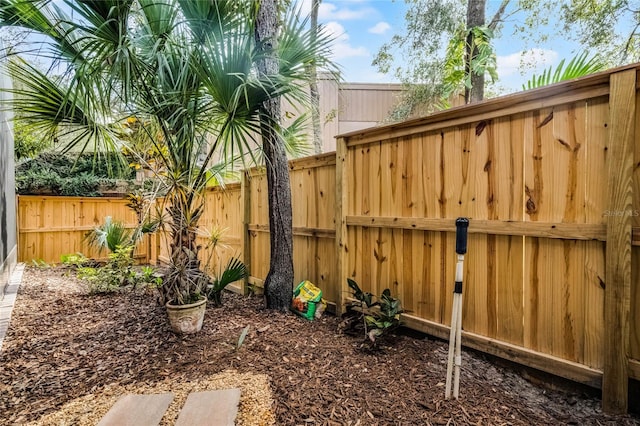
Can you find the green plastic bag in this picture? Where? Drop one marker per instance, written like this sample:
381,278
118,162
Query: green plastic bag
307,300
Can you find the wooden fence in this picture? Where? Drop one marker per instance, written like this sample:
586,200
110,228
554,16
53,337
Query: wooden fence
313,199
548,178
51,226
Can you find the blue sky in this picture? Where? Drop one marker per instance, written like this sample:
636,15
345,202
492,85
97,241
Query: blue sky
362,26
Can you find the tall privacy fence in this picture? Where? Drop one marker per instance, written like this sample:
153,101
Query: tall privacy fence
548,179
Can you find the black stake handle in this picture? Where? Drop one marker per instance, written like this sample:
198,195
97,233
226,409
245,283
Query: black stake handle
462,223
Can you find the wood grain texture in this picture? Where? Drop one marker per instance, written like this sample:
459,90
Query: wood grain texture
570,231
618,252
49,226
345,247
245,238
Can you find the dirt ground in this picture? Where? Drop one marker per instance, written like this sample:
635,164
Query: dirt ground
66,349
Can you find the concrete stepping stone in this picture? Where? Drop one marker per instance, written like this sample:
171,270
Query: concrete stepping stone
137,410
210,408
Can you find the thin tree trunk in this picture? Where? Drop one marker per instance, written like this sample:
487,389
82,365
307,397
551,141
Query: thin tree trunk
475,18
279,283
313,85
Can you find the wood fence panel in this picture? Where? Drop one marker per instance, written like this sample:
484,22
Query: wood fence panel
51,226
536,158
222,216
313,201
634,313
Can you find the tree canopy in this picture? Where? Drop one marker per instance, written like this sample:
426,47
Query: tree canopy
447,45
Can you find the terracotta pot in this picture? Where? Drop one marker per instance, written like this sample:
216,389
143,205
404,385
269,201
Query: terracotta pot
186,319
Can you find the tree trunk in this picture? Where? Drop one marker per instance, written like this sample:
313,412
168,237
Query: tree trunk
313,85
475,18
279,283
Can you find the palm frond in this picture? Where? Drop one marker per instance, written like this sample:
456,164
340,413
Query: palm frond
296,137
579,66
111,235
57,111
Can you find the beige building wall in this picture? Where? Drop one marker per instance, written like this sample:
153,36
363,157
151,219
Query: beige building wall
346,107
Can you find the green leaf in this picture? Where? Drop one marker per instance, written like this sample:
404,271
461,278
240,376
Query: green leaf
579,66
243,336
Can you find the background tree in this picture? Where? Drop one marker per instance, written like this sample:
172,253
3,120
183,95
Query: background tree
610,28
431,72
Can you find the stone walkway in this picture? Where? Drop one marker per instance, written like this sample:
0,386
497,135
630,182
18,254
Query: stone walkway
9,299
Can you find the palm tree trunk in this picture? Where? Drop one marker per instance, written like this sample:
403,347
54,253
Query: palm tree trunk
279,283
313,85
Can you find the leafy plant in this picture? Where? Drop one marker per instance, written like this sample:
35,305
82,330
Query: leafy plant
40,263
579,66
149,275
74,260
456,76
378,318
235,270
118,273
28,144
243,336
115,274
111,235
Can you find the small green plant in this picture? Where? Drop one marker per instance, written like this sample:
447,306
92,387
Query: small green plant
111,235
118,273
243,336
74,260
149,275
378,318
235,270
39,263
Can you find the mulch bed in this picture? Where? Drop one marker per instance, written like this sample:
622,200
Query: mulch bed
64,344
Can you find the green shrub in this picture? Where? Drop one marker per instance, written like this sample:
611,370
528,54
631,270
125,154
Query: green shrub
118,273
84,184
59,174
378,318
27,143
74,260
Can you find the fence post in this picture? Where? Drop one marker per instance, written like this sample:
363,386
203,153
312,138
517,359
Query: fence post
342,190
615,380
245,241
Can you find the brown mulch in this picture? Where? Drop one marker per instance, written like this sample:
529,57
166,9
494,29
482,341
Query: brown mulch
64,346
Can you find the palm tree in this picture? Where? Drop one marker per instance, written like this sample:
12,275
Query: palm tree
184,69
